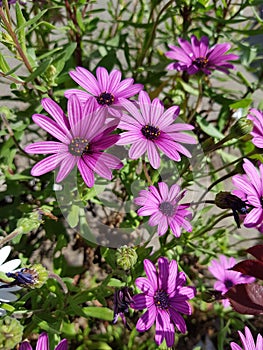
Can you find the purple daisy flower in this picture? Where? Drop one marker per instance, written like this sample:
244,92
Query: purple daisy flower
165,298
248,341
162,205
43,344
82,139
107,89
227,278
250,190
150,129
257,118
198,57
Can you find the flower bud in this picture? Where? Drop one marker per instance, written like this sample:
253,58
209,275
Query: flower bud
34,276
126,257
241,128
11,332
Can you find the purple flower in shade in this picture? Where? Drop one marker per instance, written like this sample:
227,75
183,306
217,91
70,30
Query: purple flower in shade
257,118
248,341
150,129
107,89
43,344
122,300
165,298
227,278
162,205
250,190
82,139
198,57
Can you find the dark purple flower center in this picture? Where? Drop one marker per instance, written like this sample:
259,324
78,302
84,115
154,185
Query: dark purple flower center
78,146
150,132
161,299
105,98
167,208
201,62
228,283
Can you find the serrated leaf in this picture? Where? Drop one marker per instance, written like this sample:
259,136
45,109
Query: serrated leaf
256,251
250,267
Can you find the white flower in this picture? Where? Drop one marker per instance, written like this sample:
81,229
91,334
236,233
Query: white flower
6,294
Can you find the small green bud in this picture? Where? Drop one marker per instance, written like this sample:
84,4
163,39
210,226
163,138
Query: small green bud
11,333
126,257
242,127
29,223
50,74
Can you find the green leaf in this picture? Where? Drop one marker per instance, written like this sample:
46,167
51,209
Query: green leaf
40,69
244,103
4,66
31,21
73,216
189,88
208,128
102,313
20,22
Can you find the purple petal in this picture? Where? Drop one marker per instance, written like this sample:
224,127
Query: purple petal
145,286
153,155
86,80
164,328
164,190
25,346
56,112
145,106
46,147
114,80
179,304
171,283
82,95
63,345
142,301
42,343
151,273
103,79
234,346
51,127
163,274
48,164
75,115
137,149
163,226
86,173
66,166
178,320
147,319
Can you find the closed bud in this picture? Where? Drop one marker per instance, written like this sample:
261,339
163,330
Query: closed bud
241,128
126,257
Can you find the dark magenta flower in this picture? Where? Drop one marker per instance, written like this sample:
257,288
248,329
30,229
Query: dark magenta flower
248,341
106,89
162,205
257,118
250,190
165,298
150,129
43,344
197,56
83,137
10,2
227,278
122,300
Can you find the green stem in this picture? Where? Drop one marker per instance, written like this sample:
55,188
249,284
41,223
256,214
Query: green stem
145,170
15,40
198,101
152,35
11,235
